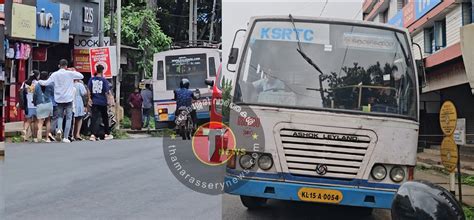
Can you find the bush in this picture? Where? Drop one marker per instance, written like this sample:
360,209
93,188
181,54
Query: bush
126,123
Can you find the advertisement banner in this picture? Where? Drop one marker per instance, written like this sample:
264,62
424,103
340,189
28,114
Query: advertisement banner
81,60
23,21
102,56
81,51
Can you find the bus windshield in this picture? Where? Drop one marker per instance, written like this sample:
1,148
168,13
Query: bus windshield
190,66
364,69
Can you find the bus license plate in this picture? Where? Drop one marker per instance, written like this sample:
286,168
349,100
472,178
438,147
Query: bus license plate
320,195
163,117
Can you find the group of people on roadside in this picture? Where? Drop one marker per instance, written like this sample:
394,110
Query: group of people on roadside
141,107
60,101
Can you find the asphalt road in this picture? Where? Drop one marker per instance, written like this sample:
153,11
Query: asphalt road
123,179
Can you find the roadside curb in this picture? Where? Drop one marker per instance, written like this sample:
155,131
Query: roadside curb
129,131
440,168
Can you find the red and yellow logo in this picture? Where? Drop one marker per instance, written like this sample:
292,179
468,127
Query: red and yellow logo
214,143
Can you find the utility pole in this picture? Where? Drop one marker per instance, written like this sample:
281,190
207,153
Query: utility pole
112,22
191,20
101,22
118,45
211,32
195,21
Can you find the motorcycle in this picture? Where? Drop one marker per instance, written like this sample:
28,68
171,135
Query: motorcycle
184,121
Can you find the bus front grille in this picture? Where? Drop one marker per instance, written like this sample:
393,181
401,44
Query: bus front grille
339,155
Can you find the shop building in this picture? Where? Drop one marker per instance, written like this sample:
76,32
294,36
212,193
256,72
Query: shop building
443,35
38,34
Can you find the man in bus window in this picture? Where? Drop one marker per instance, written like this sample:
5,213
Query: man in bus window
269,82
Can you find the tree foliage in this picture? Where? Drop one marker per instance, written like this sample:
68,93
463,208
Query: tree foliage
141,29
343,89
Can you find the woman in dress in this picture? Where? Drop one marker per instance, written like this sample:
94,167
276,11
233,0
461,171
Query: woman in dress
79,110
30,109
43,99
135,100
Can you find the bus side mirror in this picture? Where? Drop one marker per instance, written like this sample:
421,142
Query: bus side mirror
234,53
209,82
420,66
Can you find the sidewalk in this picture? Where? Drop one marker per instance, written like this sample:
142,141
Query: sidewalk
435,177
433,158
13,129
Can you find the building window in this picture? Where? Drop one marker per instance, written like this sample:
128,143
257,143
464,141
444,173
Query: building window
401,4
440,34
429,39
212,66
435,37
160,75
467,13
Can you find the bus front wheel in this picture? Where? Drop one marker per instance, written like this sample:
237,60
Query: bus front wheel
253,202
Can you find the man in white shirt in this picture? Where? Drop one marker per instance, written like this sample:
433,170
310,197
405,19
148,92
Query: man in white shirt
63,81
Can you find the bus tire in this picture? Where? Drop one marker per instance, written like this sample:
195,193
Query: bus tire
253,202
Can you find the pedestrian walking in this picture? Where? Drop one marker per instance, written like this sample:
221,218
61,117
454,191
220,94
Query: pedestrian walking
99,88
27,90
43,99
54,120
135,101
147,106
63,81
79,108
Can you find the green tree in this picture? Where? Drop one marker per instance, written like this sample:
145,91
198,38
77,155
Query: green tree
141,29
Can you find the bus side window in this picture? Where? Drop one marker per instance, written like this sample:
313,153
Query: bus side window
212,67
160,75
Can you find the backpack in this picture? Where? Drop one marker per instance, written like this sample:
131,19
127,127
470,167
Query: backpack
22,97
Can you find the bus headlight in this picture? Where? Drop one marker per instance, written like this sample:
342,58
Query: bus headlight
379,172
265,162
246,161
397,174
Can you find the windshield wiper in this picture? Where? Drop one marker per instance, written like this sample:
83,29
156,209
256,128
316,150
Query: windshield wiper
300,50
307,59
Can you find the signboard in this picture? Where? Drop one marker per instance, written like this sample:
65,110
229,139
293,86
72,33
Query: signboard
449,153
105,56
23,21
85,17
424,6
81,51
448,118
40,54
89,42
413,10
460,132
65,23
101,56
52,22
81,60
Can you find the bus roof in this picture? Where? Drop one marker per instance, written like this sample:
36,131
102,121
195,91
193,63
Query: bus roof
185,51
335,20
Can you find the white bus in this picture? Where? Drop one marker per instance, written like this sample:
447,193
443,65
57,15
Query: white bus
169,67
337,102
